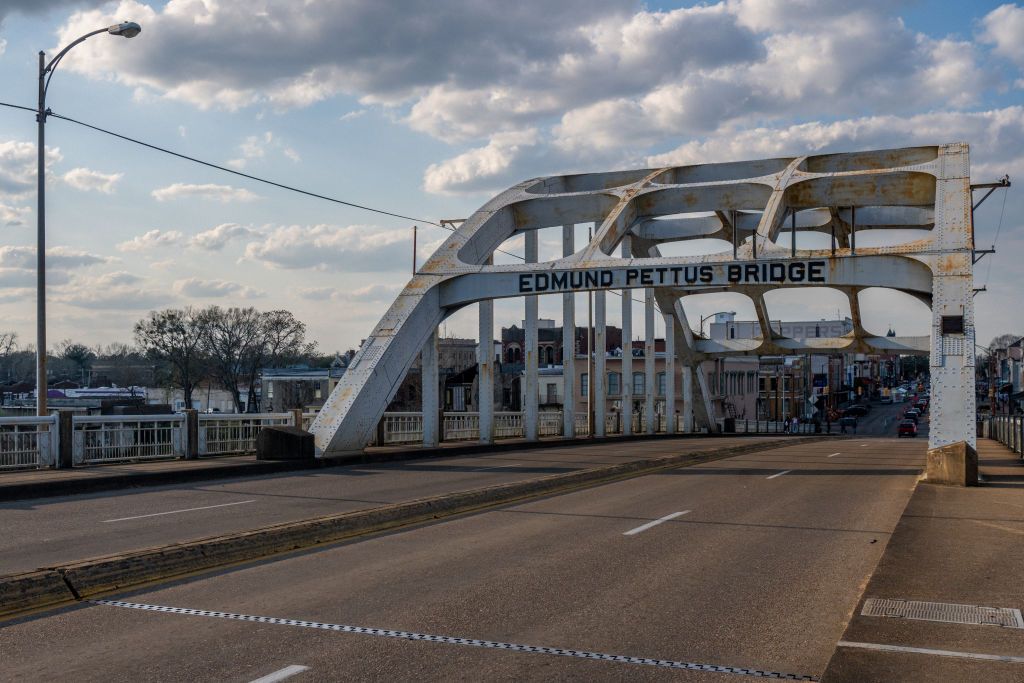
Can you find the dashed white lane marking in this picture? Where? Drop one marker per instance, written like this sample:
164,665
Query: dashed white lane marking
779,474
863,445
834,455
282,674
473,642
645,527
174,512
928,651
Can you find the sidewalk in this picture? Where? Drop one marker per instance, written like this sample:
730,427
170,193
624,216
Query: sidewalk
23,484
961,546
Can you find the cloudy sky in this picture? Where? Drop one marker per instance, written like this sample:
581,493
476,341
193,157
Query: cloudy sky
428,112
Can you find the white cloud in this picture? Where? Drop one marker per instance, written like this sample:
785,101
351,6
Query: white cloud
18,164
57,258
26,278
210,289
317,293
217,237
1003,28
88,179
354,114
151,240
13,216
256,146
375,293
354,248
996,136
478,168
221,193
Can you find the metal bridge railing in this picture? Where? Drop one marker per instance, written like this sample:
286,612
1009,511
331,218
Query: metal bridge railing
228,433
117,438
27,442
1007,430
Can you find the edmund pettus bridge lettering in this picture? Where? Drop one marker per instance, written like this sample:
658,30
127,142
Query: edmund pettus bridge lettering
776,272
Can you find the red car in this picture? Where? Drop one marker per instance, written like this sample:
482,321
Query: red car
907,428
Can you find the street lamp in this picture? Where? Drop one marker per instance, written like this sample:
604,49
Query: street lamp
709,316
128,29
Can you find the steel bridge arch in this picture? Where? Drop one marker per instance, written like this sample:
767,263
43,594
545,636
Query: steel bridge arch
746,203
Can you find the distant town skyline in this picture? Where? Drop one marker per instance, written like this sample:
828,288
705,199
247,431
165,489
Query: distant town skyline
427,114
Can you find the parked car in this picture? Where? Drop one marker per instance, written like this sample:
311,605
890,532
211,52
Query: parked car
859,410
922,405
912,415
907,428
886,400
848,421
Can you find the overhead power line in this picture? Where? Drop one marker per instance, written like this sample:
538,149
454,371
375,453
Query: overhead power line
249,176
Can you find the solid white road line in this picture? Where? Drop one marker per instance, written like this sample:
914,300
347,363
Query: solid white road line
284,673
779,474
863,445
928,651
834,455
645,527
174,512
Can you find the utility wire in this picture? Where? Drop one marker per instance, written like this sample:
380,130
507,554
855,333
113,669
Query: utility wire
999,228
258,179
239,173
18,106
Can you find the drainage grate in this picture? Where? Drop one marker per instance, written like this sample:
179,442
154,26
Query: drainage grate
944,612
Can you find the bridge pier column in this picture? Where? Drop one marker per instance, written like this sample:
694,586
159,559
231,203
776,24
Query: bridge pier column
626,383
600,375
670,374
568,344
650,419
429,381
952,434
687,399
530,355
485,373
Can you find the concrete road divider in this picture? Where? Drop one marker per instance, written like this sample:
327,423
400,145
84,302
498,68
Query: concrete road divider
89,578
33,590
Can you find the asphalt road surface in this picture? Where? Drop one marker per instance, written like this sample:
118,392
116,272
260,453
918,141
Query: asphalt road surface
750,563
48,531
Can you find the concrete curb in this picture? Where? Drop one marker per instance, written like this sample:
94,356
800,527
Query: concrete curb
111,482
33,590
92,577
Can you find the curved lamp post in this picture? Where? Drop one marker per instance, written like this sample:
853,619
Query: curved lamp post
127,29
709,316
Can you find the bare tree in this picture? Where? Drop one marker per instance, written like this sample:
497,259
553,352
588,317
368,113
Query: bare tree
230,338
283,340
174,336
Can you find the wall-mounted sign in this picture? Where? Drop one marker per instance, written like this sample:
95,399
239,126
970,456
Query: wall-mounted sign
749,273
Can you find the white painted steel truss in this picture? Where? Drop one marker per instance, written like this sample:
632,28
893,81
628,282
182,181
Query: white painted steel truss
747,204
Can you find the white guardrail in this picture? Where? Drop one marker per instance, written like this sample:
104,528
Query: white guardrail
1007,430
116,438
27,442
226,433
32,442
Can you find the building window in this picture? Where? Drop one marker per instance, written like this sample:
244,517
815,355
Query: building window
552,392
638,384
614,384
270,390
316,390
661,384
584,384
732,333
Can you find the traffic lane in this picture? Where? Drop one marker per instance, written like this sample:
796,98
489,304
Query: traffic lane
49,531
718,585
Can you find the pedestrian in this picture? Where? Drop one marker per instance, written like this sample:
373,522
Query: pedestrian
842,426
796,426
785,426
828,424
854,425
